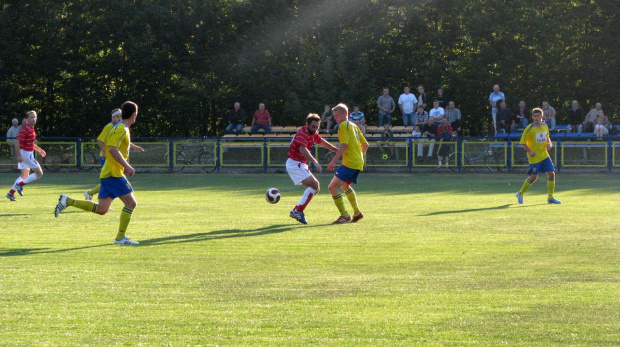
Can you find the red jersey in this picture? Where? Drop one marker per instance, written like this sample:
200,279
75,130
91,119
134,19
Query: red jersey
261,118
303,138
26,138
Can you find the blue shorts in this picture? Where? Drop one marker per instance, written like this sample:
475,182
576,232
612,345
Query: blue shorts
101,161
541,167
347,175
113,187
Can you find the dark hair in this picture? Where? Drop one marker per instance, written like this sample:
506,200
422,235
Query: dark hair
129,108
313,117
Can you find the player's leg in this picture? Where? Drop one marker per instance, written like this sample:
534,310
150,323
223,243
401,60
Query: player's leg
551,188
312,189
334,189
299,174
130,205
89,194
526,185
352,197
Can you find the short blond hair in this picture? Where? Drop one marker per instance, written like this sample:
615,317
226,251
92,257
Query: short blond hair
341,108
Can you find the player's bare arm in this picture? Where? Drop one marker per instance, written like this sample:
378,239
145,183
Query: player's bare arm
304,151
116,154
326,144
17,152
527,149
102,148
136,148
40,151
341,149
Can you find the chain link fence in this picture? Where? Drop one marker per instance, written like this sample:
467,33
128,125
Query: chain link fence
211,154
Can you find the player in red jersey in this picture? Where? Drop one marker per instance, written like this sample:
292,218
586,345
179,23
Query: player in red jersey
24,149
297,164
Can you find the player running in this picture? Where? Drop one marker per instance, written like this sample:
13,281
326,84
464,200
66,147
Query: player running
114,184
536,142
24,149
296,165
116,117
353,145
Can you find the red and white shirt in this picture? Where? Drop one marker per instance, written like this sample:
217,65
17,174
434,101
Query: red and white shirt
26,138
303,138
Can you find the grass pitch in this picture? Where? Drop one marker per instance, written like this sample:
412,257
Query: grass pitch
439,259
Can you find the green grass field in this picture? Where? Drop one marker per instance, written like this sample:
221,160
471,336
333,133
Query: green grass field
440,259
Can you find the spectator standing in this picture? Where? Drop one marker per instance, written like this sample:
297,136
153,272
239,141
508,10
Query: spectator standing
493,99
549,115
386,106
575,117
443,101
601,125
522,114
504,119
407,103
423,98
11,135
327,119
590,119
261,120
357,117
236,116
453,115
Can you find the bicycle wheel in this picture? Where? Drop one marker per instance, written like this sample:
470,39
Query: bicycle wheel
52,163
180,161
90,161
491,163
206,160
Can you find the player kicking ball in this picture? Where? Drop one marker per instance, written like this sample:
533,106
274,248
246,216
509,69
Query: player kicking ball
536,142
297,163
114,184
353,145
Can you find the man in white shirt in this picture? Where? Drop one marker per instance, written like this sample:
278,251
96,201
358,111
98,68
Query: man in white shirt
407,103
493,99
436,114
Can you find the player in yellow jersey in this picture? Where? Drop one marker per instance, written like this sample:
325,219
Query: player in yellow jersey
116,117
536,142
353,145
114,183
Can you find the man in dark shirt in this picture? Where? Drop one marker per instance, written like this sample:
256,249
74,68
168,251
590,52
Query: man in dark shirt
235,119
504,119
575,117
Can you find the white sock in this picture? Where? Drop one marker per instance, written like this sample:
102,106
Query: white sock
306,197
30,178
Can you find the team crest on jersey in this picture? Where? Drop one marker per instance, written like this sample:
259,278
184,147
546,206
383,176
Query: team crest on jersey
541,137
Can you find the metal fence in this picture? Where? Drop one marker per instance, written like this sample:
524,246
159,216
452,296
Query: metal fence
211,154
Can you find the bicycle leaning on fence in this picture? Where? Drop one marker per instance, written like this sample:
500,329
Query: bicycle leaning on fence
193,155
489,155
59,156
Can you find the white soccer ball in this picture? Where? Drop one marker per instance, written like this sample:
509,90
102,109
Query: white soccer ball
273,195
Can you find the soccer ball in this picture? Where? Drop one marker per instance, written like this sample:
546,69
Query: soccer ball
272,196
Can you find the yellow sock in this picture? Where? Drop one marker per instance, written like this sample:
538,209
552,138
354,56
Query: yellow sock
87,206
352,197
339,201
125,219
94,190
526,185
550,188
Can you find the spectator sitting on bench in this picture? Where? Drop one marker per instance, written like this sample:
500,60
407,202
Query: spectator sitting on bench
236,116
261,120
601,128
327,118
588,126
453,115
357,118
575,118
386,136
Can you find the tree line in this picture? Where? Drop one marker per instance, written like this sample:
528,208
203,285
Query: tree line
186,63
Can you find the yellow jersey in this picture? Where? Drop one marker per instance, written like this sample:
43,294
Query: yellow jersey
104,134
349,133
536,140
119,138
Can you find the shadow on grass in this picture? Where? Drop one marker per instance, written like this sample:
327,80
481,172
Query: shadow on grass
221,234
14,214
5,252
501,207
